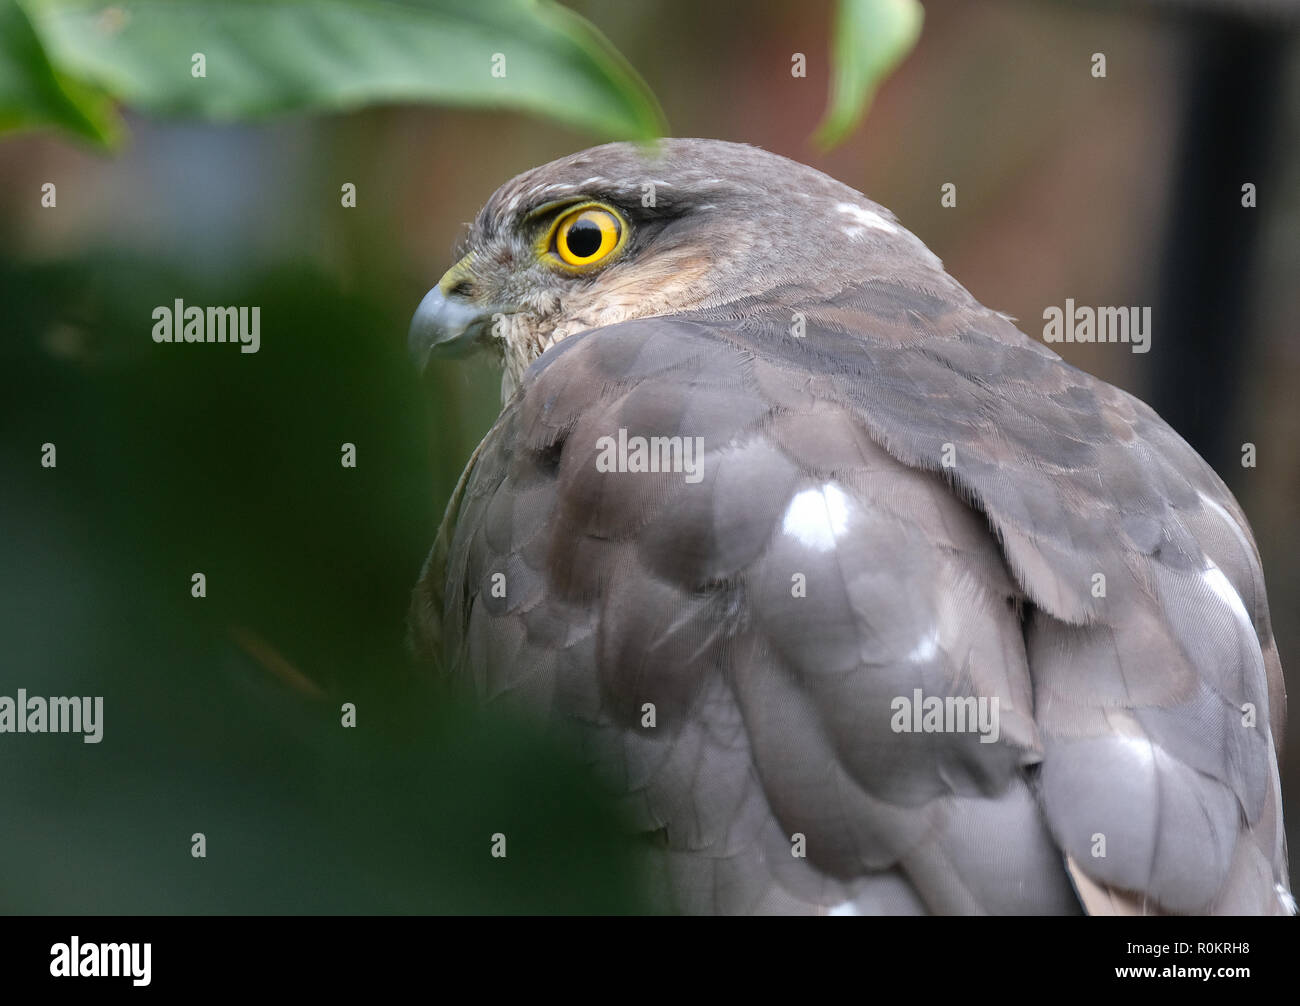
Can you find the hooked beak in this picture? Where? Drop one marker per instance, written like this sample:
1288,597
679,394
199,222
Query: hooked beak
447,324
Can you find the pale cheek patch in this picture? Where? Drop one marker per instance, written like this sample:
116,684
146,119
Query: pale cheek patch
863,219
674,282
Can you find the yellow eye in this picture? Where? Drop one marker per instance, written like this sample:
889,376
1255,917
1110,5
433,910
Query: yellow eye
587,235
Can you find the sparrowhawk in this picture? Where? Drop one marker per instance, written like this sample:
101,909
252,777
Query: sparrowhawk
864,600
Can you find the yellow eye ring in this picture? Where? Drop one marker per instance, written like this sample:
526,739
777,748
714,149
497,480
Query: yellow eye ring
587,235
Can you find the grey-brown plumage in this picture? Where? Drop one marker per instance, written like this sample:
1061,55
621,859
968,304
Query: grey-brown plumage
899,491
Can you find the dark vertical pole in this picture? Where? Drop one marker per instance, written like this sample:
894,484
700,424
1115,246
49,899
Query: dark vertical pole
1203,313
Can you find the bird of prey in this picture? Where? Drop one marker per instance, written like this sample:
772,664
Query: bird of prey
865,601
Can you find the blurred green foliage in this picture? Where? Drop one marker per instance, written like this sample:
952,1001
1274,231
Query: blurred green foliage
871,37
61,61
176,459
268,56
222,714
33,93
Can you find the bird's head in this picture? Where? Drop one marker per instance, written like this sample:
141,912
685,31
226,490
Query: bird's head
629,230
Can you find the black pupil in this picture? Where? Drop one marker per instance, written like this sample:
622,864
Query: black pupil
584,238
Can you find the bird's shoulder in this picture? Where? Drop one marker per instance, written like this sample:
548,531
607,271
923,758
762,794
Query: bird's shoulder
929,470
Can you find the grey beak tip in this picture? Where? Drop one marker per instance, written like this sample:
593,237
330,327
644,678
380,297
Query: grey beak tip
443,326
422,334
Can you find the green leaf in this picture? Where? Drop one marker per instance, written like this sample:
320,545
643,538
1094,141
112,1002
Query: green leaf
263,57
871,38
34,94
